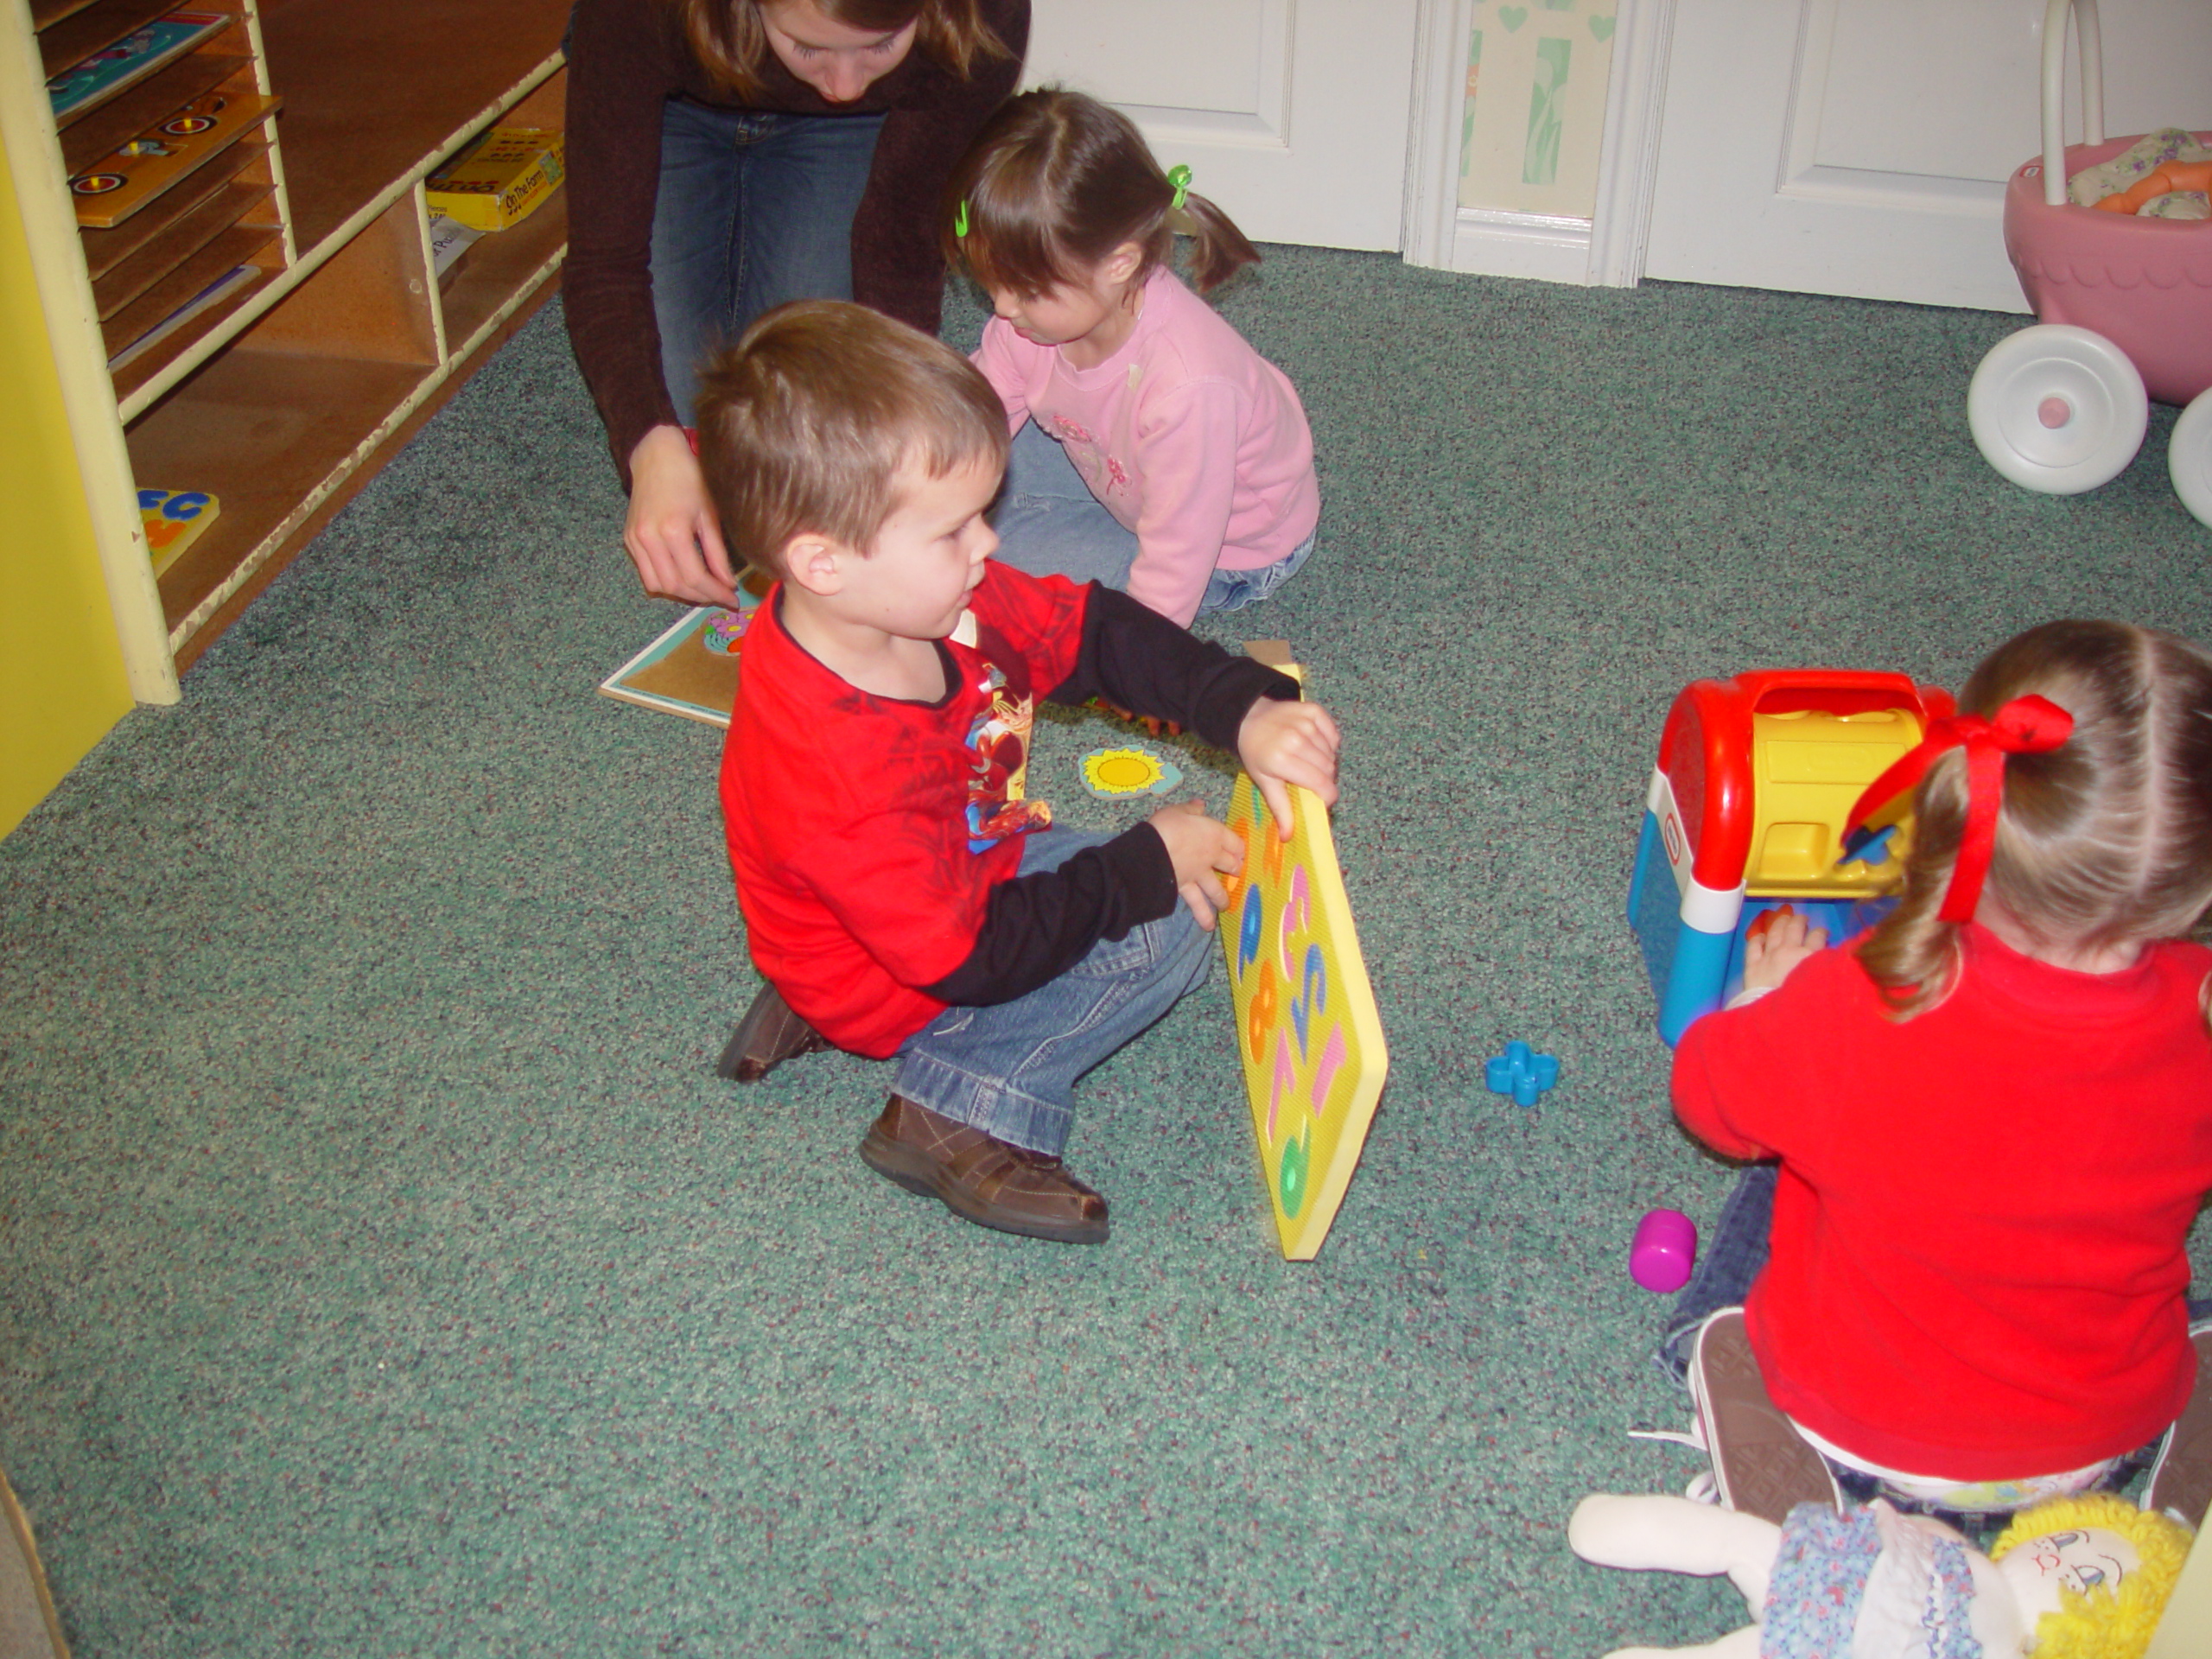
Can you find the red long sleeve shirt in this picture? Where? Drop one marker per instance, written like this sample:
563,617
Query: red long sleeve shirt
1978,1255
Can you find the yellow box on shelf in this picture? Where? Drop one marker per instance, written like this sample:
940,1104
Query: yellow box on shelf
174,520
498,181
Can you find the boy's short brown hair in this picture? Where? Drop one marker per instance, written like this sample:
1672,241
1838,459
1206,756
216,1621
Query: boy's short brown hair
804,424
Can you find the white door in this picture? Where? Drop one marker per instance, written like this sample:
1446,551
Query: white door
1860,146
1291,114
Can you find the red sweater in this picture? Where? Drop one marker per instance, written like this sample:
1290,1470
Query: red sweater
1978,1250
626,58
876,841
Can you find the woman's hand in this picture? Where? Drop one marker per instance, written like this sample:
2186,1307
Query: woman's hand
1283,743
671,534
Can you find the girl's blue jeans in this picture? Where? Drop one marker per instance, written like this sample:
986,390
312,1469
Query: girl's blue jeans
1009,1068
1050,525
755,207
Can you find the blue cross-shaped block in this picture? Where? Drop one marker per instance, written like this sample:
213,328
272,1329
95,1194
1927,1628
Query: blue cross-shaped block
1520,1074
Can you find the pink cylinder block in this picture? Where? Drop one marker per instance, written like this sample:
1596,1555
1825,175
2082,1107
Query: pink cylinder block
1665,1251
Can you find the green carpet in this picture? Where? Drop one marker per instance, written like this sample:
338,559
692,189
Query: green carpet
386,1273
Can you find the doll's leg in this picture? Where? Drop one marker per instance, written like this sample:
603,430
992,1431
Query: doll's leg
1672,1534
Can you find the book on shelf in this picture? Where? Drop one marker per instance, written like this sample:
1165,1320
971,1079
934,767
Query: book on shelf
119,184
174,520
125,62
449,243
235,281
500,180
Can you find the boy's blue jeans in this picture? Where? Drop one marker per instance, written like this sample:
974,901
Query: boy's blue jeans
755,208
1009,1070
1050,524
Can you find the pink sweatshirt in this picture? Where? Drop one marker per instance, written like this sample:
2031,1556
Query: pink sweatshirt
1189,436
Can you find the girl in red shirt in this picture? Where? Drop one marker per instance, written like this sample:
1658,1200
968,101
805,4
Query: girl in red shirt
1989,1122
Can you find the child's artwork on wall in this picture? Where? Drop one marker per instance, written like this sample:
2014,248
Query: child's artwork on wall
1307,1023
1535,106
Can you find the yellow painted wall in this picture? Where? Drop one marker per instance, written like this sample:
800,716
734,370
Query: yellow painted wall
61,677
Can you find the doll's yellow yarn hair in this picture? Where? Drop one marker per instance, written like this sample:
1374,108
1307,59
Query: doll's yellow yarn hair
2105,1623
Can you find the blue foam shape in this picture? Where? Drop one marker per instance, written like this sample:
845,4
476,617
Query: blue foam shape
1520,1073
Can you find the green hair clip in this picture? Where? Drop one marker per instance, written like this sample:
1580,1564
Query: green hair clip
1179,176
960,221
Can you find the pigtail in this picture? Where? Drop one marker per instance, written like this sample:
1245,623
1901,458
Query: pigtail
1914,955
1222,250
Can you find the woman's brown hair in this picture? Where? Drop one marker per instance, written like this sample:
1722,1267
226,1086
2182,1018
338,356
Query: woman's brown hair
1056,182
727,38
2105,840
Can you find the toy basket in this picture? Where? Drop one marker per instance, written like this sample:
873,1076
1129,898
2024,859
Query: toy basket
2124,310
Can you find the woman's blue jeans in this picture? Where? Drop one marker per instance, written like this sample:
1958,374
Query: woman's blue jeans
1009,1068
755,208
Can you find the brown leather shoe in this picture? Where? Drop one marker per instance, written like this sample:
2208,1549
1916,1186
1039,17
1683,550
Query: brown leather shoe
769,1034
985,1180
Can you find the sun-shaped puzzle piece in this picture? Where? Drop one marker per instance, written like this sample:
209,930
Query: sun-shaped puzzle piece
1129,769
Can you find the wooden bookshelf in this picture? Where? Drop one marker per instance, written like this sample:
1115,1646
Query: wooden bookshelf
283,397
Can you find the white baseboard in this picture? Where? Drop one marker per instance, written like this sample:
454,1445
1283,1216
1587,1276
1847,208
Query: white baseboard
1539,245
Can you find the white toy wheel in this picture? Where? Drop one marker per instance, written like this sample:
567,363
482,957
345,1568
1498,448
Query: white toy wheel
2189,457
2058,409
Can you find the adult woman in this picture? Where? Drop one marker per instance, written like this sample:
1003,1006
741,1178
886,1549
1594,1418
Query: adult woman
725,155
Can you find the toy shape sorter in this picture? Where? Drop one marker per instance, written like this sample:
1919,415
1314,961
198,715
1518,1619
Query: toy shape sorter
1308,1027
1746,812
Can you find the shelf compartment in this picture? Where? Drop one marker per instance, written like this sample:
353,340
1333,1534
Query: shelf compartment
271,435
227,207
502,269
47,13
229,248
352,141
152,101
105,249
74,36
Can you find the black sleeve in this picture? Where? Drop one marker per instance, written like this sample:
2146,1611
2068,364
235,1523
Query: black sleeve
1136,657
1037,927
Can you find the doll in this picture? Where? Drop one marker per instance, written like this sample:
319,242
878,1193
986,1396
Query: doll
2076,1578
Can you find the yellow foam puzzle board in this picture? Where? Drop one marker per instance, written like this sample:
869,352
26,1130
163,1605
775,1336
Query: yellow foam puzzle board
1307,1023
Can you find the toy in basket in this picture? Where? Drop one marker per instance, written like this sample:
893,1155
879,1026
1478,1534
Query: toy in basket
2124,304
1756,777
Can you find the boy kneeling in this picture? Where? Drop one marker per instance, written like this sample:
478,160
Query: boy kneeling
900,892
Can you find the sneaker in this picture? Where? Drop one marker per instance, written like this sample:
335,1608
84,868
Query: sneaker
769,1034
980,1178
1762,1465
2180,1480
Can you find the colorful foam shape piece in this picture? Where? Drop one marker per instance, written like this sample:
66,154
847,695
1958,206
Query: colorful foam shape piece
1520,1073
1664,1252
1129,769
1307,1028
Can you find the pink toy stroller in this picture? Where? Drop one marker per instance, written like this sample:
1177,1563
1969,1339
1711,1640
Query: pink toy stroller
2126,311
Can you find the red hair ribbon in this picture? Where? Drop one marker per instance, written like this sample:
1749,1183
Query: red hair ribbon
2025,726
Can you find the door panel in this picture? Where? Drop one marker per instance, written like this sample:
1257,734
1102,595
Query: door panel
1860,146
1291,114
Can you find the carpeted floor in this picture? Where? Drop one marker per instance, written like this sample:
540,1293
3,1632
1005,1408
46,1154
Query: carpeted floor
386,1273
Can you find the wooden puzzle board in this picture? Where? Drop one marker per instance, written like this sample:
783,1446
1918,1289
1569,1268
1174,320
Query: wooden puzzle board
1308,1027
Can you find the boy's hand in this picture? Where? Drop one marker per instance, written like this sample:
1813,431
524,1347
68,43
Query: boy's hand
1202,850
671,534
1283,743
1772,952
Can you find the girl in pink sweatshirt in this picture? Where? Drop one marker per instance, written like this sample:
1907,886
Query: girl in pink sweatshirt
1154,450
